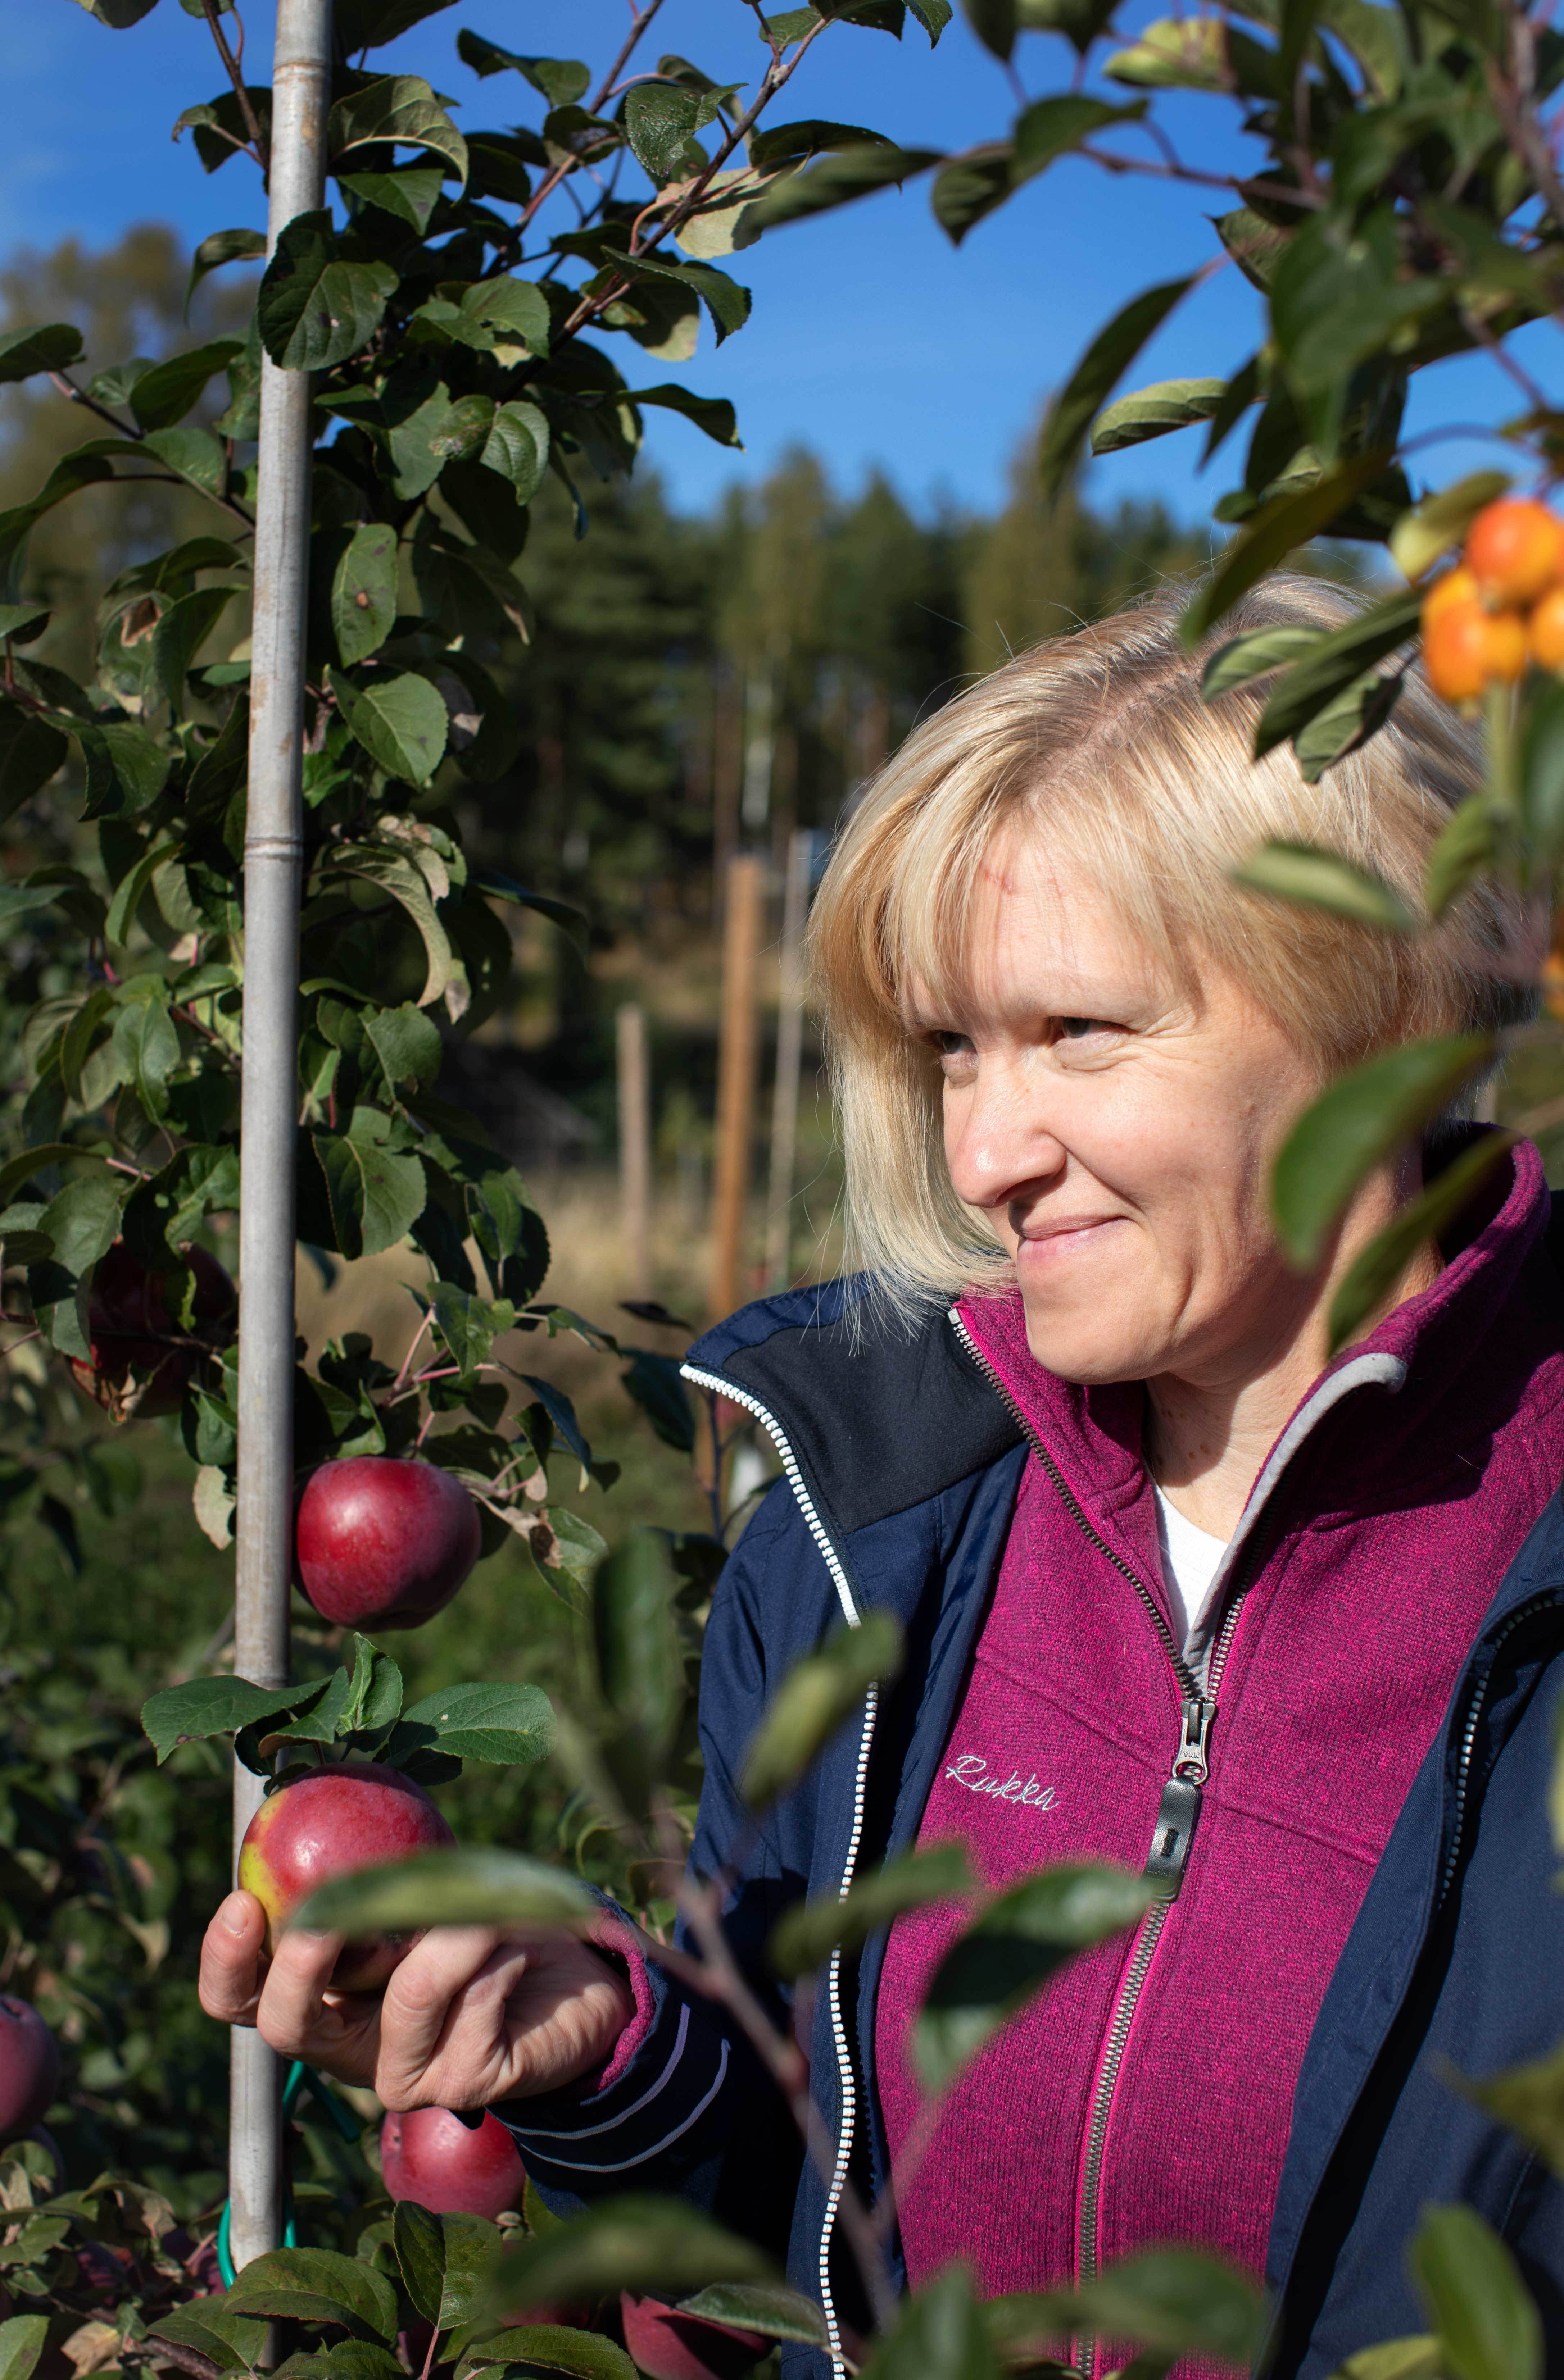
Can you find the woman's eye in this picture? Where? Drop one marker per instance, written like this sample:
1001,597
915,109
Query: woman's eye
1076,1029
952,1045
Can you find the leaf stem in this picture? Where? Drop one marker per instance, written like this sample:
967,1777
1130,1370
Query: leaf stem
235,76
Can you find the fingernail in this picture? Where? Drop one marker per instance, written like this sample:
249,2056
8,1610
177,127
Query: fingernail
234,1914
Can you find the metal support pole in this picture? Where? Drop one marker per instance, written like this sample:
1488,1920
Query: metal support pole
735,1081
635,1147
790,1060
272,849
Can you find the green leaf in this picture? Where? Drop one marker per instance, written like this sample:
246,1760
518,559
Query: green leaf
313,308
1010,1951
1473,2294
1333,661
806,1937
1274,532
500,1723
400,108
317,2284
147,1047
452,1887
1153,412
1111,353
942,2334
660,121
1397,2359
1429,530
1377,1268
82,1220
715,415
233,2343
219,1706
401,722
222,248
1175,54
364,592
21,2344
407,1043
726,300
132,890
541,2348
1254,655
31,753
1529,2098
365,24
817,1697
180,635
376,1196
1324,879
1173,2300
655,1381
752,2305
195,453
641,2244
1357,1125
833,181
410,193
38,347
639,1664
165,394
403,883
994,22
517,308
781,144
444,2260
22,624
1466,846
561,81
517,447
350,2359
1345,721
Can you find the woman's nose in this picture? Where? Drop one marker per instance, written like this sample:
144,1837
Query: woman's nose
997,1143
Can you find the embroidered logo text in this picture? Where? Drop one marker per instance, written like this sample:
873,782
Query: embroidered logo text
971,1770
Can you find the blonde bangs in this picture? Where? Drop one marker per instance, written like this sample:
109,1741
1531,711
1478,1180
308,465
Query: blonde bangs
1100,745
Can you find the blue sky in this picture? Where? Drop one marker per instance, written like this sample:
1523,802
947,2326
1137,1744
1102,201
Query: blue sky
872,339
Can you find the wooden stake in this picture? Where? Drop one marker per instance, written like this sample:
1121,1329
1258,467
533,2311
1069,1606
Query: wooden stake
790,1060
635,1147
735,1081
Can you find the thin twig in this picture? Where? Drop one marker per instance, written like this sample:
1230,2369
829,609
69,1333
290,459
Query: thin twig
235,76
68,387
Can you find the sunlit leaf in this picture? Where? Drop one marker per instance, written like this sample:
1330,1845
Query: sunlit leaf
1475,2299
451,1888
1276,530
1529,2098
1377,1268
809,1932
817,1697
1357,1123
1111,354
1153,412
1429,530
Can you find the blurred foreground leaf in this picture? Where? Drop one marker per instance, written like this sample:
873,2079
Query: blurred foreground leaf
646,2245
809,1933
449,1888
815,1698
1473,2294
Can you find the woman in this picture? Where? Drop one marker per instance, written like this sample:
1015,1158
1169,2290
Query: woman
1155,1555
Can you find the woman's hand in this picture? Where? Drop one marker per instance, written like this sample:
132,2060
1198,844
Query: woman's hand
470,2016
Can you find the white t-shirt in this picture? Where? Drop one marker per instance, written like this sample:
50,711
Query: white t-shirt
1189,1558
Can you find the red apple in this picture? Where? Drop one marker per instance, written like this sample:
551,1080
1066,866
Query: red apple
430,2156
30,2067
383,1543
139,1365
353,1813
667,2345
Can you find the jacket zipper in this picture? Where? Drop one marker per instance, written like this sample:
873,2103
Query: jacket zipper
1171,1836
847,2080
1473,1719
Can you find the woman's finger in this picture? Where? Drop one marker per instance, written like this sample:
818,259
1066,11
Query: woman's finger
301,2018
435,1984
231,1958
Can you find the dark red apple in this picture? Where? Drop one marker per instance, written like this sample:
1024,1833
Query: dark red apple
353,1813
430,2156
667,2345
383,1543
143,1360
30,2067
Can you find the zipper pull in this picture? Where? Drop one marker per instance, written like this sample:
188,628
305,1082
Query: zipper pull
1180,1806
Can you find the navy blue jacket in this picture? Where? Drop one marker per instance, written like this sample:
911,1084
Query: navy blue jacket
901,1469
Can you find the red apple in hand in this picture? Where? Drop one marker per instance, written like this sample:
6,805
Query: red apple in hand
353,1813
382,1543
430,2156
30,2067
667,2345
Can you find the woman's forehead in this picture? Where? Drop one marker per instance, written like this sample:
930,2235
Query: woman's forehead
1035,932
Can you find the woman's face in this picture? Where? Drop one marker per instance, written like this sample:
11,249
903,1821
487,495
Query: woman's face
1119,1137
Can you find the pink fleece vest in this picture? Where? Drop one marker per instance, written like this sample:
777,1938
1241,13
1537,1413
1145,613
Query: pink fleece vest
1389,1521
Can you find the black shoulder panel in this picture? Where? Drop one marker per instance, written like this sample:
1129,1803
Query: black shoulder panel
878,1420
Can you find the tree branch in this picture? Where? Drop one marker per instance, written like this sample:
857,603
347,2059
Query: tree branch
235,76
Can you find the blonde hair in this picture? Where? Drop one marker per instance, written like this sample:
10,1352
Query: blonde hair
1101,739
